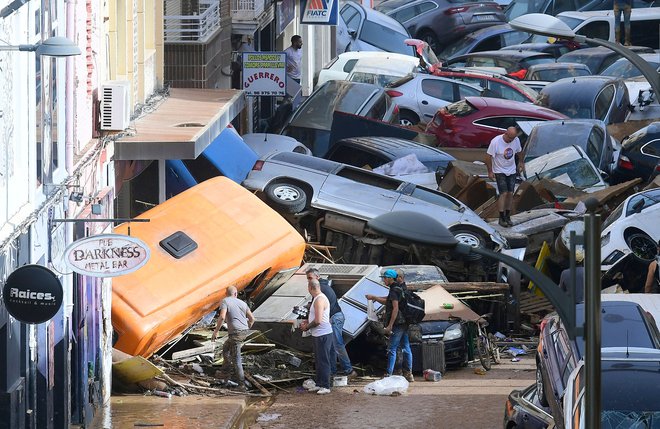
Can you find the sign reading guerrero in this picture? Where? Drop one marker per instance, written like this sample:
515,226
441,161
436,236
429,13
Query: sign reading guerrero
264,73
106,255
319,12
32,294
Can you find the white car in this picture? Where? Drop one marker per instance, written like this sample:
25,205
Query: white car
419,96
569,166
380,71
341,66
266,143
632,227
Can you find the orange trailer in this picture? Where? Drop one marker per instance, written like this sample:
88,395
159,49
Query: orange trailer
230,237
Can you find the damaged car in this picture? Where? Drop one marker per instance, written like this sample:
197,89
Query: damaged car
569,166
330,191
632,228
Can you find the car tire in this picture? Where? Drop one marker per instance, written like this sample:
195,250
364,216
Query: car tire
286,197
408,119
540,387
641,245
470,237
429,37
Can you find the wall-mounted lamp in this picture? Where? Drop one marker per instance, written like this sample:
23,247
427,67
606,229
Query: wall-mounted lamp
54,47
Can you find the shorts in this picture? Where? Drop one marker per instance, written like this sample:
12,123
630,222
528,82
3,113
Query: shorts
505,182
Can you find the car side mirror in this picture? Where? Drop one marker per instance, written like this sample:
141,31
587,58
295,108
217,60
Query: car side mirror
352,33
604,175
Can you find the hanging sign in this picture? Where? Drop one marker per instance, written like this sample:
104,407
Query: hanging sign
264,73
106,255
319,12
32,294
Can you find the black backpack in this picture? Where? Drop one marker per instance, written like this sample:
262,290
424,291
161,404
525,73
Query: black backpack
412,307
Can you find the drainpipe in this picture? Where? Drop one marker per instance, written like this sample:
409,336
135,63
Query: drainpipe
70,136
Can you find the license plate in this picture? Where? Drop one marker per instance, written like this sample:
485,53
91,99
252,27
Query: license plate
482,18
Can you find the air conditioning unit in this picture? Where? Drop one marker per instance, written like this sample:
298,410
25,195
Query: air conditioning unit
115,105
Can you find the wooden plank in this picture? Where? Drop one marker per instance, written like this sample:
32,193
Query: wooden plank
488,287
193,352
258,385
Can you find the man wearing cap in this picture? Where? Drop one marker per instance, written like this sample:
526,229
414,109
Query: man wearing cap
396,326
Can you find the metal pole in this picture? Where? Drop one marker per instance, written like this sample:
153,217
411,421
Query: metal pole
592,320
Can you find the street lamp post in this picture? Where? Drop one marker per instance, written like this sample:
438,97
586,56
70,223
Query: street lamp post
547,25
56,46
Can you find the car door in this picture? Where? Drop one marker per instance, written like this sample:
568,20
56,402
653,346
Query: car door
433,94
595,149
647,219
351,21
359,193
604,103
429,202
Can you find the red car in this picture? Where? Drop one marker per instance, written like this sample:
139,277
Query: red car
494,84
473,122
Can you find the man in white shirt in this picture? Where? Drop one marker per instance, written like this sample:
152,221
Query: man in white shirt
294,58
503,163
318,323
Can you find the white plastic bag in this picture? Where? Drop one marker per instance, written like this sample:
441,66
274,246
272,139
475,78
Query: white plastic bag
386,386
371,311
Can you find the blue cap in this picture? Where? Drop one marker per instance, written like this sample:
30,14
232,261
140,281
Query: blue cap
390,274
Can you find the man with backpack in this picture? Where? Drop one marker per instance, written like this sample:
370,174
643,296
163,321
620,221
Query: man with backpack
396,326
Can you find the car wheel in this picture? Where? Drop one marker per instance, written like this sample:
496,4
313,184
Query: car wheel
430,38
287,197
540,387
641,245
470,237
408,119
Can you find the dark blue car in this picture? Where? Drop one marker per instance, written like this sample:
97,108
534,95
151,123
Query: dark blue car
486,39
227,155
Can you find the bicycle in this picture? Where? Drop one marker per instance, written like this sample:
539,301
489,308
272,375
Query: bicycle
486,347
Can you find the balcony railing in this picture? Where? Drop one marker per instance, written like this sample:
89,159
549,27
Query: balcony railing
196,28
246,10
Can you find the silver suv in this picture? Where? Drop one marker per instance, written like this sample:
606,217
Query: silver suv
293,182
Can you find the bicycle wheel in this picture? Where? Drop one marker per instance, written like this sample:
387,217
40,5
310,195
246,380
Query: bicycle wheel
494,350
483,349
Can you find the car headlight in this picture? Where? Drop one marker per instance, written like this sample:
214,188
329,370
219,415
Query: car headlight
453,332
612,257
605,239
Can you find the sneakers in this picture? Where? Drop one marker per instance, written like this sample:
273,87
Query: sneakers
323,391
314,389
408,375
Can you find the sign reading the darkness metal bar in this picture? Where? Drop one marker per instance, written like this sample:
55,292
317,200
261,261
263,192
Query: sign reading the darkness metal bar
319,12
264,73
106,255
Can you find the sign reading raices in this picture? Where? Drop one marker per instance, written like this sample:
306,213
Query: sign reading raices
319,12
264,73
106,255
32,294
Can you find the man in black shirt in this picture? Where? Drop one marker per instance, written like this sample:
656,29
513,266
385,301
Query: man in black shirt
396,326
337,321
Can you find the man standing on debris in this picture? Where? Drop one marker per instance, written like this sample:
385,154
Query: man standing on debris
501,161
239,321
396,327
319,325
337,320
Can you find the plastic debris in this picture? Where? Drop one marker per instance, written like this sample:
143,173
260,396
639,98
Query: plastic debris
267,417
387,386
514,351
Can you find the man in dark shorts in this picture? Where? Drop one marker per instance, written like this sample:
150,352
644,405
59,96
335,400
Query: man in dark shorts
503,163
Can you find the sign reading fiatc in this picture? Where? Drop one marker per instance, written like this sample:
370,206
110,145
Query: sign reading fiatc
319,12
106,255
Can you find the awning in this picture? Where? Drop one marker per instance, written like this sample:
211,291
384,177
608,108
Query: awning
182,126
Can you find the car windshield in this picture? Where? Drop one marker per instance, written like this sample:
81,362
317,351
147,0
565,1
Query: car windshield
569,104
553,74
613,216
459,47
317,112
624,68
577,174
624,392
546,138
376,79
571,22
384,38
522,7
590,60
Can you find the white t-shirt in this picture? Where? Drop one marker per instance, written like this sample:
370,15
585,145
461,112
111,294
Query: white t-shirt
294,62
503,153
